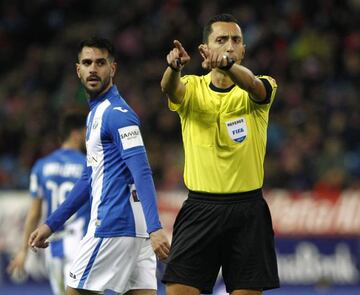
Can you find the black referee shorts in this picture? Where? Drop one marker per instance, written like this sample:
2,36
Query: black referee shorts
232,231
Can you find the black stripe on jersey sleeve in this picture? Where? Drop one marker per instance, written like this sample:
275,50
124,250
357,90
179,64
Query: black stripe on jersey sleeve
268,90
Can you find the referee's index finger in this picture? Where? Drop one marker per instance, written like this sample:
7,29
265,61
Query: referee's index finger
178,45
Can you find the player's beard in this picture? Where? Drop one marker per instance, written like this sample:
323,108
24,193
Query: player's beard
95,92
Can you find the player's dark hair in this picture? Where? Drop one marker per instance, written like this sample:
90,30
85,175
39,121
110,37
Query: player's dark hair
224,17
100,43
71,121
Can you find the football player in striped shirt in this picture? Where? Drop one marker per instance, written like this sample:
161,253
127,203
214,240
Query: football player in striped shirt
124,233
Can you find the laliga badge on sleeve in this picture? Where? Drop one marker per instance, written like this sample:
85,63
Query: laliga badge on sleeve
237,129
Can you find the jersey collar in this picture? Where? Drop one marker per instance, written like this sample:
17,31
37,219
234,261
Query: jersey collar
107,95
222,90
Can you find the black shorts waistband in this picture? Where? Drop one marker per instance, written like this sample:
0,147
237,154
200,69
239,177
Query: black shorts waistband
226,198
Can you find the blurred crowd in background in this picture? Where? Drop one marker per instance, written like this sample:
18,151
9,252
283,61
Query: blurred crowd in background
312,49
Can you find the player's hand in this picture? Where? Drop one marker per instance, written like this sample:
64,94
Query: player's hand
17,264
177,57
38,238
213,59
160,244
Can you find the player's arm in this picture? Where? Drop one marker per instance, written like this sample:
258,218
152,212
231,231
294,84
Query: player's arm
76,199
133,153
171,84
32,220
141,172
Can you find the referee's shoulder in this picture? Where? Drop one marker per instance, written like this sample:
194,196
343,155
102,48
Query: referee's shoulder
270,79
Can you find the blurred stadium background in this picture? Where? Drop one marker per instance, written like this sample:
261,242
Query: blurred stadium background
312,49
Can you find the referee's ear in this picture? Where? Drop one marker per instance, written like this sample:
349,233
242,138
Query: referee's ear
243,52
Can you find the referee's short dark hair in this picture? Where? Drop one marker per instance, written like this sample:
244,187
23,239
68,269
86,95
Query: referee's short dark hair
100,43
71,120
224,17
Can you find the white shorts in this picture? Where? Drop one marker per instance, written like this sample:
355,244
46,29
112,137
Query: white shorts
58,267
119,264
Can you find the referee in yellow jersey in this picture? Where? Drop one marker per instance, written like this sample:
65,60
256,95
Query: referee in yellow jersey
225,222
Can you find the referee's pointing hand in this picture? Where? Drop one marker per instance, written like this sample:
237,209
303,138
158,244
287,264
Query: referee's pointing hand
177,57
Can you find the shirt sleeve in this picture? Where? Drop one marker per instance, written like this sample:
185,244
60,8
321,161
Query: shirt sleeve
124,128
125,131
141,172
188,82
270,87
36,189
77,197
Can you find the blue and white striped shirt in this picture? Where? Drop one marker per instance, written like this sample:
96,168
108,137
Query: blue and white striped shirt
118,175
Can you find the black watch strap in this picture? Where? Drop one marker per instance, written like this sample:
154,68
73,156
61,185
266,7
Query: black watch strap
230,63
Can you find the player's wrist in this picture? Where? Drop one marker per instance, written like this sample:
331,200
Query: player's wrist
154,228
49,226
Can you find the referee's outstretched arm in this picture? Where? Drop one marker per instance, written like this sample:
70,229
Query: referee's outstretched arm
171,84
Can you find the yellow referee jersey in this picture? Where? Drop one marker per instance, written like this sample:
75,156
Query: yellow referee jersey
224,136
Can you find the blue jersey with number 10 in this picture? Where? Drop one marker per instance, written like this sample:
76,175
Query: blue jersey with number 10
52,178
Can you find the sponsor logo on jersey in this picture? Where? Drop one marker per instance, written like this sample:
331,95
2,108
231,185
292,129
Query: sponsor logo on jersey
130,137
73,276
92,159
